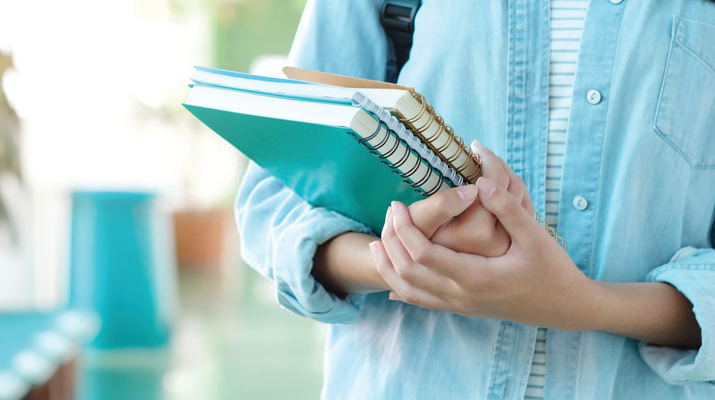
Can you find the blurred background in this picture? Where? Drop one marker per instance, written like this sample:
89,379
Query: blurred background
120,275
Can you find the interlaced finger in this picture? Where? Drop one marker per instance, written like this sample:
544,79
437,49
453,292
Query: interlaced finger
492,167
431,213
436,258
518,188
403,289
405,265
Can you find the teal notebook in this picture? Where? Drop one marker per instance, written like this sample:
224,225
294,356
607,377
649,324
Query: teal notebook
423,130
326,152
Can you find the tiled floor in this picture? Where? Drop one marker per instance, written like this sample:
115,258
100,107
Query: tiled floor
232,341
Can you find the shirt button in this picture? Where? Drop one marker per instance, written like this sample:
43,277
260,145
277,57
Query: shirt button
593,96
616,1
580,203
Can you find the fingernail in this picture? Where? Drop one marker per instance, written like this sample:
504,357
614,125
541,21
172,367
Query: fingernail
395,208
475,145
393,296
467,193
388,214
487,186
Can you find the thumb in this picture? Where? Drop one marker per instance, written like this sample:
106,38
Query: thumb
507,208
431,213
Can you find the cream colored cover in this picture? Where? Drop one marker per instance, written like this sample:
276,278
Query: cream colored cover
338,80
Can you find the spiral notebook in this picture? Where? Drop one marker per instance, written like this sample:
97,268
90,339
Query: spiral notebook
411,109
346,149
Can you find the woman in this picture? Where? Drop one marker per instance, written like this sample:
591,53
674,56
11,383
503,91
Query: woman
624,312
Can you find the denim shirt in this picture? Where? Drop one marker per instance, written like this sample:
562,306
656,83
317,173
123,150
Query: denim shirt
637,196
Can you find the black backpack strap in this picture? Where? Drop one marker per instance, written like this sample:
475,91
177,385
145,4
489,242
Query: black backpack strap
398,19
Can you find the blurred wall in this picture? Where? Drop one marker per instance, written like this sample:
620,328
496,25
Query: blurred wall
98,87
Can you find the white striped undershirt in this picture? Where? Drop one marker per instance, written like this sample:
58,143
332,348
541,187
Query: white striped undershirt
567,18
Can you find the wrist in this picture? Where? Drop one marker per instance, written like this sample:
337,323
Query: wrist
344,265
582,311
599,307
653,312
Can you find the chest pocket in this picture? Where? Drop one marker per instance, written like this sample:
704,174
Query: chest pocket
685,117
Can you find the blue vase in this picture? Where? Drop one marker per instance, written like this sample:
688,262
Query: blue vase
122,266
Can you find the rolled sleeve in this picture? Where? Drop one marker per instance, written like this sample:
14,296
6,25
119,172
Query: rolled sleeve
280,232
692,272
279,236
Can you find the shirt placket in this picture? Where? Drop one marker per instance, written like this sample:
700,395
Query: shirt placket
527,118
580,182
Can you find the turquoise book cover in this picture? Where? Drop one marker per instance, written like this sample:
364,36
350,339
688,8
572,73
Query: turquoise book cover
323,164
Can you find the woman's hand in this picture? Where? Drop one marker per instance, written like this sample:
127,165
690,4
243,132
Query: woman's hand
456,218
535,282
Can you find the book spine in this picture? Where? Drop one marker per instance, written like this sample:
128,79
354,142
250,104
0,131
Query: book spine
440,137
405,162
409,138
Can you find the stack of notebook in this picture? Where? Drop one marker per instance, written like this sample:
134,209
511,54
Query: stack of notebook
351,146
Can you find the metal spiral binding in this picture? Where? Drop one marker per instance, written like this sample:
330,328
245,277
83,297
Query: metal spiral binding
452,138
551,230
444,128
397,166
413,141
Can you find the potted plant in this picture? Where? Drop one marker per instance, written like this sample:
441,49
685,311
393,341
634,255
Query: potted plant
15,264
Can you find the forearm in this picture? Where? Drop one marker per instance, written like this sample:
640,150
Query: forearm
344,264
653,312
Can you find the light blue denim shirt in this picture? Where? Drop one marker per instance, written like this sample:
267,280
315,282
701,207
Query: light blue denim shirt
642,158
